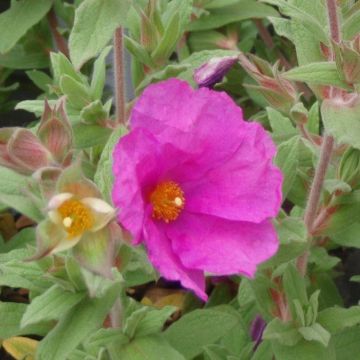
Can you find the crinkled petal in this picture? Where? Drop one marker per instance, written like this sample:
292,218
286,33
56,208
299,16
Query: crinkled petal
168,263
219,246
203,122
246,187
140,162
96,251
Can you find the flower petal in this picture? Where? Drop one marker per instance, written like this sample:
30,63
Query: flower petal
140,162
219,246
58,200
96,251
246,187
167,262
101,210
195,121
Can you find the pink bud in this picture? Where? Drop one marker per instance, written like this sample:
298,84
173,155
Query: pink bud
55,131
25,149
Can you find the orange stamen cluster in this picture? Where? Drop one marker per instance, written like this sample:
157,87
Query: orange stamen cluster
167,200
76,217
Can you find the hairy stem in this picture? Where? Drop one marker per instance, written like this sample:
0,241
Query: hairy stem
333,20
60,42
325,152
119,74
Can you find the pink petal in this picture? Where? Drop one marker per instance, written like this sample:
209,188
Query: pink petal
222,247
134,165
246,187
202,122
167,263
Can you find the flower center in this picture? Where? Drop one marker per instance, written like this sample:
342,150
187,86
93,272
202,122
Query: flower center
167,200
77,218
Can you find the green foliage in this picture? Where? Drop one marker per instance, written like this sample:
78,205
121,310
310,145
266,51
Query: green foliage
290,81
89,37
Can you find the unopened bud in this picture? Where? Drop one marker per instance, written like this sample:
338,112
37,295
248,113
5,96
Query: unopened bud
55,131
214,70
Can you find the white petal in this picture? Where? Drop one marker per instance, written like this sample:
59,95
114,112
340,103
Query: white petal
59,199
98,205
55,217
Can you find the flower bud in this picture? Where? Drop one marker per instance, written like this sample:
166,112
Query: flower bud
214,70
55,131
349,168
279,92
22,151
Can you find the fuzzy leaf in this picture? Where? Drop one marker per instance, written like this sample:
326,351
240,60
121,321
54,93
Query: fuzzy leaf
94,26
323,73
51,305
200,327
15,22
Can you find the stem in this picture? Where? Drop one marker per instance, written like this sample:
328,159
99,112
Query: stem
325,152
60,42
119,74
316,187
333,20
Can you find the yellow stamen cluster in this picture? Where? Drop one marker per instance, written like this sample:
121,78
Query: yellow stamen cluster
167,200
76,217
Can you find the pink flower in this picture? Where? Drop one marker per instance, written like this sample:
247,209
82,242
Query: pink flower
195,183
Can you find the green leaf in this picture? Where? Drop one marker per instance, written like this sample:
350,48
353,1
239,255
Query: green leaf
313,123
13,193
342,121
148,348
348,236
315,332
347,343
15,22
94,113
351,26
304,350
200,327
99,74
263,352
287,160
90,135
284,332
242,10
154,321
294,285
77,325
335,319
104,176
40,79
10,317
94,26
281,125
323,73
77,94
51,305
